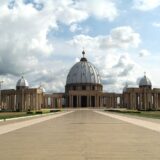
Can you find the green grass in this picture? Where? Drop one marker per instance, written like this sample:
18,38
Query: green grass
147,114
151,114
45,110
123,111
8,115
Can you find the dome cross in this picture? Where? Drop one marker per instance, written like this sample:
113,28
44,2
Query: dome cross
83,52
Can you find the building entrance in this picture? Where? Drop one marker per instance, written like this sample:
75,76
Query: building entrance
83,101
92,101
74,101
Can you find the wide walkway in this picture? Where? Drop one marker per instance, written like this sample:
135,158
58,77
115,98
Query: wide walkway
81,135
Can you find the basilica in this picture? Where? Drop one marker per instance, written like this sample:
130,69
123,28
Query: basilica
83,89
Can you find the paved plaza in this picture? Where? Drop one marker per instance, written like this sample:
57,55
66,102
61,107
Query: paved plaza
80,135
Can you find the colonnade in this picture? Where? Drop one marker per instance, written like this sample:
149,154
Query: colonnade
21,100
89,99
112,100
84,101
142,99
53,101
34,99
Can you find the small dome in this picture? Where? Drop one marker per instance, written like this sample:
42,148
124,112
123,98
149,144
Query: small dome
125,88
145,82
42,88
22,82
83,72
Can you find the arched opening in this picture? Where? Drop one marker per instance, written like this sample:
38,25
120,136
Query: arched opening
63,101
49,101
137,101
118,101
152,101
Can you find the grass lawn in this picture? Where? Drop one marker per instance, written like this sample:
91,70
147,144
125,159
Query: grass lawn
148,114
7,115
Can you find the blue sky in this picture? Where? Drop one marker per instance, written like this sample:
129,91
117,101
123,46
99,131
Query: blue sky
42,39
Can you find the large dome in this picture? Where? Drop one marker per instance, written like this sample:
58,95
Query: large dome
144,82
22,82
83,72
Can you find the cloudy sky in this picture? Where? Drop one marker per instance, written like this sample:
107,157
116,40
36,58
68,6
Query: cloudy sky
42,39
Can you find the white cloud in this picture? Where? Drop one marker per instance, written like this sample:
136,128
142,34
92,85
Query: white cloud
52,77
116,69
68,14
144,53
75,28
156,24
24,31
100,9
26,48
146,5
121,37
22,37
85,41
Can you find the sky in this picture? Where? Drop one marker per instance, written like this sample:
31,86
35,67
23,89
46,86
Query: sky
43,39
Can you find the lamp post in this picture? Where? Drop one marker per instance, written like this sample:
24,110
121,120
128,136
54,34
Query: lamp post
0,94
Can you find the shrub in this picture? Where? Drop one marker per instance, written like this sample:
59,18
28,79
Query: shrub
17,110
55,110
30,112
39,112
123,111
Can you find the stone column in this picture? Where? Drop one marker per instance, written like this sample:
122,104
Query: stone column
46,102
100,101
80,101
35,101
147,105
87,101
39,101
158,101
140,101
72,101
96,98
131,105
51,101
59,102
115,101
108,102
144,99
155,101
69,101
22,100
77,101
111,102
